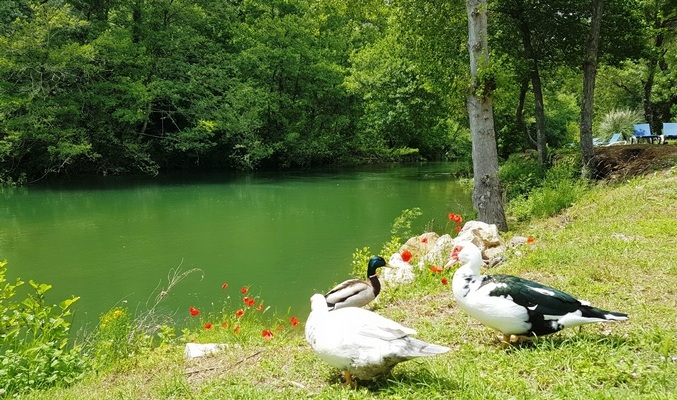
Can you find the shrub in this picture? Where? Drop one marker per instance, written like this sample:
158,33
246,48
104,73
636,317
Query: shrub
618,121
559,190
34,350
520,174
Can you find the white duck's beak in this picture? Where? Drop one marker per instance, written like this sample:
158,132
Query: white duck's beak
453,258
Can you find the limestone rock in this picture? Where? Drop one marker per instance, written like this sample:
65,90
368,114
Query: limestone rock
401,272
486,237
195,350
439,254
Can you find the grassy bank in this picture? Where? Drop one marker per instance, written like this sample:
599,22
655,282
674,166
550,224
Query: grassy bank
616,247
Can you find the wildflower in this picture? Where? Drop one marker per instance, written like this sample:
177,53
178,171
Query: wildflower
244,289
436,269
224,324
279,328
250,302
193,311
458,219
530,239
293,321
224,286
239,313
424,240
406,256
236,329
267,335
451,216
445,281
260,307
208,325
458,228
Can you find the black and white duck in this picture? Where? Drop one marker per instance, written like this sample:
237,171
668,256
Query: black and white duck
514,306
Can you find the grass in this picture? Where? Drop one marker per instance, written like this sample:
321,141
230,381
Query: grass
616,247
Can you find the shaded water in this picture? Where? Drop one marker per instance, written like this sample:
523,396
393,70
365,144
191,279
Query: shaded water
284,235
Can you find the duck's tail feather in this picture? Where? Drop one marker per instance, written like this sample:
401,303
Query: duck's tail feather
419,348
598,313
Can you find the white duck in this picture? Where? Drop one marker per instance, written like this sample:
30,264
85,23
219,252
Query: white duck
515,306
356,292
360,342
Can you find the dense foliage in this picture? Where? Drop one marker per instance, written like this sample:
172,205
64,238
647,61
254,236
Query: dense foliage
119,86
34,349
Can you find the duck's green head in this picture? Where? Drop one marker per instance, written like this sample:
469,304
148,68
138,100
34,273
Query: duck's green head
374,263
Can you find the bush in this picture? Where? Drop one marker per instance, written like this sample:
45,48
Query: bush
34,351
559,190
520,174
619,121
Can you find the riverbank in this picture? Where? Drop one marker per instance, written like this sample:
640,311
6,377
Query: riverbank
615,247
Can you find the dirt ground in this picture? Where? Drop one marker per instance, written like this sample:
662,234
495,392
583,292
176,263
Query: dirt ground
625,161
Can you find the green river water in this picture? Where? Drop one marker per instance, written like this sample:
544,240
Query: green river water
284,235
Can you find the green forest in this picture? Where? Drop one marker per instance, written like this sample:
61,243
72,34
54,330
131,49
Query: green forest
111,87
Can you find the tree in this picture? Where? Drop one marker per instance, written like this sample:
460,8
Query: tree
589,74
486,196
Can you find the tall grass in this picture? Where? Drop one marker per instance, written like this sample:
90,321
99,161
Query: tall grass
618,121
533,192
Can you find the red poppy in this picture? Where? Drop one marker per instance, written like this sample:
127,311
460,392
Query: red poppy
193,311
236,329
530,239
279,328
458,219
424,240
245,299
251,302
436,269
458,228
445,281
224,324
268,335
451,216
224,286
260,307
406,256
239,313
208,325
293,321
244,289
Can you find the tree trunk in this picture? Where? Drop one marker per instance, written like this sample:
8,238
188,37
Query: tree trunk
487,194
535,76
589,74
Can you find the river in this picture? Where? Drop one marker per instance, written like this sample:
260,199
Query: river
285,236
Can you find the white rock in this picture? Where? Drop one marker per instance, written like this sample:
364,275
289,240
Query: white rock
195,350
401,271
486,237
439,254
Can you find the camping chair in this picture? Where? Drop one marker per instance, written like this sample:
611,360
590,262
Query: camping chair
616,139
670,130
643,131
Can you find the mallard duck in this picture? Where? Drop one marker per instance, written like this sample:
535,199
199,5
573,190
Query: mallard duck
356,292
514,306
360,342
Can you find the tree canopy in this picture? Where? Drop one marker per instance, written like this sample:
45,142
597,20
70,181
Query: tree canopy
120,86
